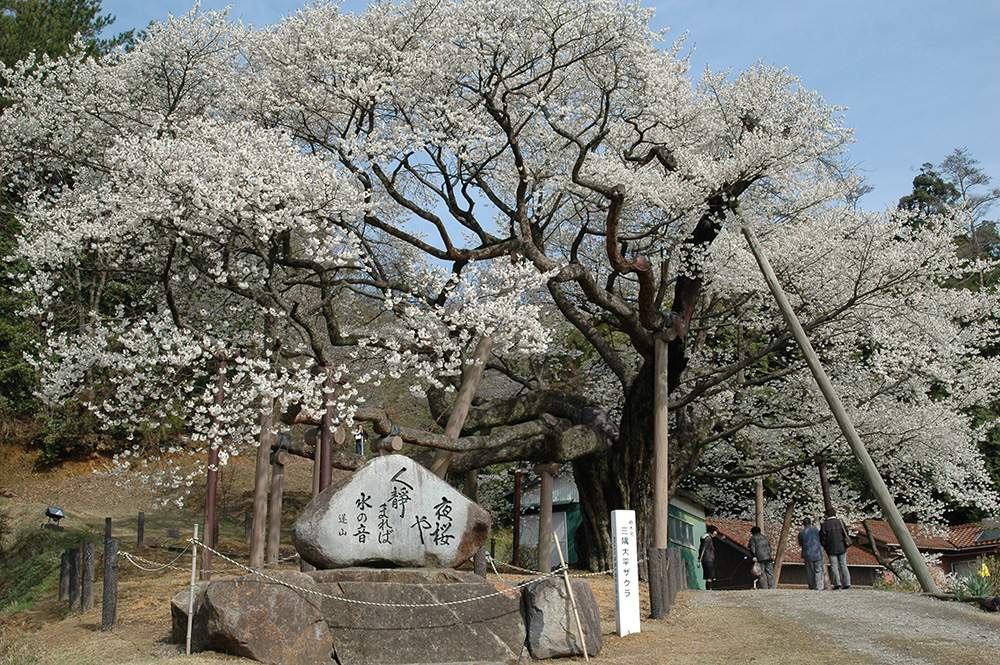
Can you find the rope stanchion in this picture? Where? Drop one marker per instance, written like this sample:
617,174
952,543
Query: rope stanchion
506,592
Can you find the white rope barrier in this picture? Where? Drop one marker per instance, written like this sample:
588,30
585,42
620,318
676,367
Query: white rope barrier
506,592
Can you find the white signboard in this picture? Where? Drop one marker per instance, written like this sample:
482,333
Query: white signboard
626,572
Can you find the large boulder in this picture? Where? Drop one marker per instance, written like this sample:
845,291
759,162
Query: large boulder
387,617
390,512
258,618
179,614
551,626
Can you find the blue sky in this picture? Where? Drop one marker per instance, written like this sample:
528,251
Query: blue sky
919,76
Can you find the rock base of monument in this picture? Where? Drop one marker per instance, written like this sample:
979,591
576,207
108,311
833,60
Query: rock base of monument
357,616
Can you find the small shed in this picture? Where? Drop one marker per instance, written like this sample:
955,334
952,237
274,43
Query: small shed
686,522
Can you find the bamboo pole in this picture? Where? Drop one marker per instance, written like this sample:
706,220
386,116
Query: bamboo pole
872,475
194,570
572,599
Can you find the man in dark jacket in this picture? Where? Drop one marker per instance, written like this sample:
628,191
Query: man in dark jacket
812,554
833,536
760,548
706,555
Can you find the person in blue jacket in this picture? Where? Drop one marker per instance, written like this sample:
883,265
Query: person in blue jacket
812,554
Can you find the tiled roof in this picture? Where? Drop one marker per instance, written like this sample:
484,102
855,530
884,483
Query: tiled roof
738,531
974,535
925,537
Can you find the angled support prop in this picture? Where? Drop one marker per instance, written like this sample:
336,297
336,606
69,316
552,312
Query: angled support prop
874,478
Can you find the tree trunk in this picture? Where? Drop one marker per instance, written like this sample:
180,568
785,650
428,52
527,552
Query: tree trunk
626,475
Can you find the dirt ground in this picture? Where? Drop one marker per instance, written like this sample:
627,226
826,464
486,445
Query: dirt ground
788,627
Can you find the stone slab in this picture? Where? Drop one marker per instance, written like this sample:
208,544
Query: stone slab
391,631
391,512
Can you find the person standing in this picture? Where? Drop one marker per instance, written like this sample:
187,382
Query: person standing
706,555
812,554
760,548
833,536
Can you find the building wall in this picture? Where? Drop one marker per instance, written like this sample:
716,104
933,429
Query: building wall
685,531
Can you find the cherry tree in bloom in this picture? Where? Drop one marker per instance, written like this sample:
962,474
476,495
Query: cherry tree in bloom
548,173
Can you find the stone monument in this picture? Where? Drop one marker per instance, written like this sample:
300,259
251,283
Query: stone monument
385,542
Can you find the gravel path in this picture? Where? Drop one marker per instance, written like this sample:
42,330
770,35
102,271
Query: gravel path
879,626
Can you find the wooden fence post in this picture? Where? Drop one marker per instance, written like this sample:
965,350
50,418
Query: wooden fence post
64,576
109,609
87,575
74,578
107,531
140,530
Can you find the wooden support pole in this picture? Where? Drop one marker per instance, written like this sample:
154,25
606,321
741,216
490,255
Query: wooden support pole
387,445
547,472
516,554
107,531
657,553
661,447
472,485
758,486
274,508
312,438
74,578
140,530
460,411
212,484
824,483
326,434
657,567
109,601
87,577
265,440
786,527
875,482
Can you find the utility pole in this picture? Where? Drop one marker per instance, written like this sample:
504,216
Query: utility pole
874,478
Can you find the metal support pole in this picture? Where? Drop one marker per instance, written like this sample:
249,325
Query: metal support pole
875,482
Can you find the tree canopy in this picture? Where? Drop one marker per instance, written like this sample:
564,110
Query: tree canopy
374,192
